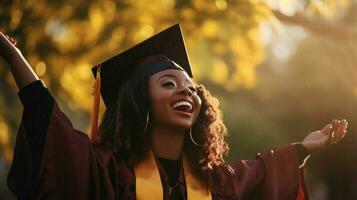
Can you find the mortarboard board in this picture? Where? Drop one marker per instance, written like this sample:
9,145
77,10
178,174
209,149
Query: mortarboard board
115,71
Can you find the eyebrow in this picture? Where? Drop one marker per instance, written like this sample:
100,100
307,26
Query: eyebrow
171,76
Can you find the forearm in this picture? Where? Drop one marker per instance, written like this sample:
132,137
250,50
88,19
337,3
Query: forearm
21,69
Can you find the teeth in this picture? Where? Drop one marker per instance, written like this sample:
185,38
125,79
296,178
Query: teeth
183,103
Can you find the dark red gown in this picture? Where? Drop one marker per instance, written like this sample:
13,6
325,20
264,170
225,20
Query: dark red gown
70,167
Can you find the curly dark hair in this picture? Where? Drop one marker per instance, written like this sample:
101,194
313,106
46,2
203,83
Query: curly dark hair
124,122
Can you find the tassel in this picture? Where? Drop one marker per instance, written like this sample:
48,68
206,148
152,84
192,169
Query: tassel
95,111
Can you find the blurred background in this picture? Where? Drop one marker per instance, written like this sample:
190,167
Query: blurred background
280,68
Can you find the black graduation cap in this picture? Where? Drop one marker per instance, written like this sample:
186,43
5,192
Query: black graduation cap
114,71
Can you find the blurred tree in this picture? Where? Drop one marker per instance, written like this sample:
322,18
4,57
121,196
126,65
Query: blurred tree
63,39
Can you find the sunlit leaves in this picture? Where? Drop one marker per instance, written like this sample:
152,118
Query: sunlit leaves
222,36
16,17
4,133
63,40
5,141
327,8
210,29
40,68
324,8
76,78
219,73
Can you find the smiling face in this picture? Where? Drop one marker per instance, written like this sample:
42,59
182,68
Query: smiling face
174,102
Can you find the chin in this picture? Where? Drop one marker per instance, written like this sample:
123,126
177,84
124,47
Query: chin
179,122
184,125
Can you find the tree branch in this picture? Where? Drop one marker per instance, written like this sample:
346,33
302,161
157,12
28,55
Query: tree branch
336,31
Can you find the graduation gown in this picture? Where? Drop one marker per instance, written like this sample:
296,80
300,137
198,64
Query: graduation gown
59,162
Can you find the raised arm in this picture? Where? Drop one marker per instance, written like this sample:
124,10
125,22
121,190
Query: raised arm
278,173
20,68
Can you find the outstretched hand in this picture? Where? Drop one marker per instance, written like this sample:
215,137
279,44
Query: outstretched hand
7,46
20,68
331,134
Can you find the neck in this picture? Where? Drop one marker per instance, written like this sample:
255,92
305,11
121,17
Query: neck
167,142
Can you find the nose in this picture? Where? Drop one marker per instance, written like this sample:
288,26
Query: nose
185,91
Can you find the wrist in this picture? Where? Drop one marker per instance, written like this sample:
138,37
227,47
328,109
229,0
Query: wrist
303,148
309,147
302,153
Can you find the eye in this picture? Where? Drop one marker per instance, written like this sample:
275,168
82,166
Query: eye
169,84
193,89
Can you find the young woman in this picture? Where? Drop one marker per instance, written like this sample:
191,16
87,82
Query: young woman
161,137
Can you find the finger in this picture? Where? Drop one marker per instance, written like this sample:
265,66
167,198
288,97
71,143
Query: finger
335,123
12,40
345,123
332,133
341,127
344,134
9,38
340,131
337,139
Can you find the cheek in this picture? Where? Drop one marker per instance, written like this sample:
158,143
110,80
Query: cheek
198,105
158,102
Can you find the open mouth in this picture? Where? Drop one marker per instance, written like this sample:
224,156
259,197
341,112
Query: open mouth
183,106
